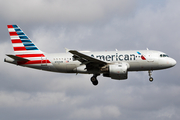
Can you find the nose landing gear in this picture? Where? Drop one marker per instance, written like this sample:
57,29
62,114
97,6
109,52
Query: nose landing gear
150,74
150,79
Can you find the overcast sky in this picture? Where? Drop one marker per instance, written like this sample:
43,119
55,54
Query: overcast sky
95,25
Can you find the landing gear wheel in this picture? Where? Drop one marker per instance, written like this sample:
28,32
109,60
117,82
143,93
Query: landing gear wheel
150,74
94,80
150,79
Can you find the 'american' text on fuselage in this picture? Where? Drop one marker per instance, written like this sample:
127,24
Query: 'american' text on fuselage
116,57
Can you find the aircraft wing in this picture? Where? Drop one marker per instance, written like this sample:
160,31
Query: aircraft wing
85,59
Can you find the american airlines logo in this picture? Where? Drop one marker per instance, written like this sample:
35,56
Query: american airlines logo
117,57
142,56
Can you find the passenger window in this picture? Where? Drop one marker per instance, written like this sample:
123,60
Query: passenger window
161,55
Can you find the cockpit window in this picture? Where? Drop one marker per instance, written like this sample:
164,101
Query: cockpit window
163,55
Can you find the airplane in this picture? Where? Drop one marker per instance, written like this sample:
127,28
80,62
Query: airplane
113,64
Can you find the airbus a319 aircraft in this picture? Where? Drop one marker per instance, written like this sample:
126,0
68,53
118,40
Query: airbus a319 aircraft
113,64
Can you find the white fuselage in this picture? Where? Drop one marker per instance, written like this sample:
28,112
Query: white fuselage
64,62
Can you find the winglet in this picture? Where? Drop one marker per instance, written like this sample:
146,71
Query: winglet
67,50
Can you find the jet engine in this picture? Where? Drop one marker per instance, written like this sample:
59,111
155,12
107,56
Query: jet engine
117,71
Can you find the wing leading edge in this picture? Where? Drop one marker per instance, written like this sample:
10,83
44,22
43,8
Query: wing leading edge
85,59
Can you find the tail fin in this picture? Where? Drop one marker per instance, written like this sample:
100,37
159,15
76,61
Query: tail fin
26,52
21,42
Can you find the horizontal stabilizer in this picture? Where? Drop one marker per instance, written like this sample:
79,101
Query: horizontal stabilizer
17,58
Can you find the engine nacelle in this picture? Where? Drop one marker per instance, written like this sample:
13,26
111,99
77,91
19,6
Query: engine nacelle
117,71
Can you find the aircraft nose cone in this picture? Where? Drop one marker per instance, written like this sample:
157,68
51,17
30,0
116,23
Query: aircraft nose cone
173,62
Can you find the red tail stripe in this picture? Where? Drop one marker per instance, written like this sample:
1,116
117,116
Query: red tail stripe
31,55
19,48
13,34
9,26
16,41
33,62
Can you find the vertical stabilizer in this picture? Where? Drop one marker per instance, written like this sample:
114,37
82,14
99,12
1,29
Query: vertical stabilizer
21,42
25,48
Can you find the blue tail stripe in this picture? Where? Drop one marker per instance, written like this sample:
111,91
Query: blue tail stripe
20,33
31,44
18,30
23,37
24,41
15,26
31,48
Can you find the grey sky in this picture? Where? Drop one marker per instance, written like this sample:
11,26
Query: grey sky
95,25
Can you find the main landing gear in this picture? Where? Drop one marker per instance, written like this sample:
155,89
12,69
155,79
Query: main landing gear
94,79
150,74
